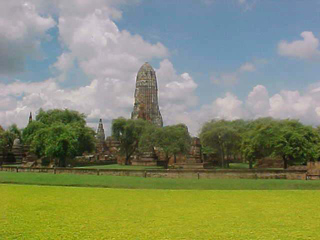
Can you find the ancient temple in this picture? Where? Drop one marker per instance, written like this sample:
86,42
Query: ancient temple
30,117
100,132
146,96
18,150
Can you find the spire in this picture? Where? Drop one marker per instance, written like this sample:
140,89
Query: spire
146,96
100,132
30,117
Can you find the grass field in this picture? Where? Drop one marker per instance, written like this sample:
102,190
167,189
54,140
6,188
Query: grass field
156,183
41,212
117,166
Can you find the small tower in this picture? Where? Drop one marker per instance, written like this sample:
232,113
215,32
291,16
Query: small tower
30,117
100,132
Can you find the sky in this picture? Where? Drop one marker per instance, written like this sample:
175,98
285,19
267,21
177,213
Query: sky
214,59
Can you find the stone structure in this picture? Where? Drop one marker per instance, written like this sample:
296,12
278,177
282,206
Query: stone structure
100,132
18,150
269,162
30,117
313,170
145,159
194,159
146,96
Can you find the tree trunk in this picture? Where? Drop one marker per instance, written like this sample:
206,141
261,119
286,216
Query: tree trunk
250,164
166,163
127,160
222,157
62,162
175,158
285,162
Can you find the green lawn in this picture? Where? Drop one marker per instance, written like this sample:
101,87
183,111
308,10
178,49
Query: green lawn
117,166
155,183
42,212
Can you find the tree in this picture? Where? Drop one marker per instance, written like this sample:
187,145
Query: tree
32,128
63,116
172,140
128,132
223,138
257,141
3,144
58,141
12,133
59,134
296,143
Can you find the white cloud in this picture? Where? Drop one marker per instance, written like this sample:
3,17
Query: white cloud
247,4
109,57
175,88
22,29
232,78
304,49
258,101
247,67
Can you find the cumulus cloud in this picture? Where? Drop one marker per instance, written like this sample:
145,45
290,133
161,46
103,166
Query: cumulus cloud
247,4
22,29
232,78
108,56
308,48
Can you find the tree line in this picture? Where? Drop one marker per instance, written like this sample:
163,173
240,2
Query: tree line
63,134
251,140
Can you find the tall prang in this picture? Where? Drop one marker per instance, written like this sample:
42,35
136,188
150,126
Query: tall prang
146,96
100,132
30,117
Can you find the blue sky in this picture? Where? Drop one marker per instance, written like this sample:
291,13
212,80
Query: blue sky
214,58
221,36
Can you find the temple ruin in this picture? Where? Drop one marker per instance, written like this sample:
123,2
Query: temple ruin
146,96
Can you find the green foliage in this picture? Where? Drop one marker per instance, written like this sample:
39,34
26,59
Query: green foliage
223,138
7,137
172,140
29,132
63,116
264,137
59,134
296,143
58,141
128,132
257,141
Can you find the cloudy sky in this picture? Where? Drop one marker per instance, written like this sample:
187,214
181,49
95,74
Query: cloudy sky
214,58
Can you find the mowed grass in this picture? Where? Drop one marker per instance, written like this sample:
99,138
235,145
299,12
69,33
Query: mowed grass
42,212
155,183
118,166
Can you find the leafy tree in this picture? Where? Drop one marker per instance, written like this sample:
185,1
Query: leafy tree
296,143
257,141
63,116
223,138
59,134
128,132
172,140
58,141
12,133
32,128
3,143
85,138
